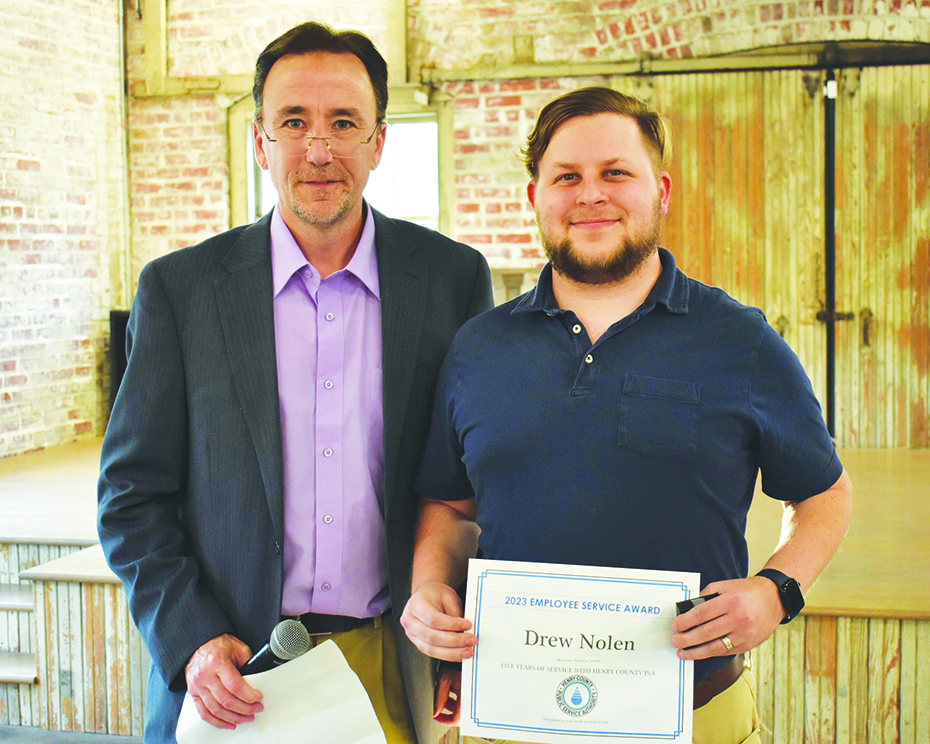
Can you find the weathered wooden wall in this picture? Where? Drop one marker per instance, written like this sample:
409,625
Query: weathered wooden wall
883,256
845,680
91,660
19,703
748,215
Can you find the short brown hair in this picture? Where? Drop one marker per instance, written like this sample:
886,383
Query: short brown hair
318,37
596,100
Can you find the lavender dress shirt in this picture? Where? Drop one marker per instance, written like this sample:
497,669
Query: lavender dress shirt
328,349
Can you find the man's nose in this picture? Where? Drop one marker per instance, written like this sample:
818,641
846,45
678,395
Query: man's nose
591,192
318,151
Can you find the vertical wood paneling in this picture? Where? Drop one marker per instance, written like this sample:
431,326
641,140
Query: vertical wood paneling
909,706
112,666
123,656
100,657
883,250
820,679
852,680
747,197
884,679
862,681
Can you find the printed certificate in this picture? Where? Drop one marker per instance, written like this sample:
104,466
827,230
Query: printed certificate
571,654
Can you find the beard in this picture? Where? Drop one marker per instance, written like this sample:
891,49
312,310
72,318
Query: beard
314,212
624,261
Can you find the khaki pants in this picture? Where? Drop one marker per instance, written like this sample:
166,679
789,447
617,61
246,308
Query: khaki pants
730,718
372,654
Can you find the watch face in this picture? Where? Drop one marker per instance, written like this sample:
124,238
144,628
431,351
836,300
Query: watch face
792,598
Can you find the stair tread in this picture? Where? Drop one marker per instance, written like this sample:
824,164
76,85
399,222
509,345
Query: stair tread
18,667
16,597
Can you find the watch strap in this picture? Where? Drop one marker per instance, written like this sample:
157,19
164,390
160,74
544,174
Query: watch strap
789,592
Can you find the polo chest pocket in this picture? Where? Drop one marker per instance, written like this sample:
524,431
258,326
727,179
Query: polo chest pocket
659,417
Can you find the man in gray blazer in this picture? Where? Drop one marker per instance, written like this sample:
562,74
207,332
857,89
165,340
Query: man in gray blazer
259,458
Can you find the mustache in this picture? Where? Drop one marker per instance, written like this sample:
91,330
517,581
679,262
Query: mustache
316,173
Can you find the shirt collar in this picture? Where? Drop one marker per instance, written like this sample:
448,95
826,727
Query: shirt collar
287,259
670,289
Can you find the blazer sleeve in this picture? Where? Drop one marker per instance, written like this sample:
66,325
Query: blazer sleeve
141,487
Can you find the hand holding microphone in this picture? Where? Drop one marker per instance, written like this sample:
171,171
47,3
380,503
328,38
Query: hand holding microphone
214,673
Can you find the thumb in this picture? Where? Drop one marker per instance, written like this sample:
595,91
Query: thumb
240,651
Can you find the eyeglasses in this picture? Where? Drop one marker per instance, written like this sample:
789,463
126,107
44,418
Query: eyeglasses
341,143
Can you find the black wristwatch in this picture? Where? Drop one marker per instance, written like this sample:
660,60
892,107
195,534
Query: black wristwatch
789,591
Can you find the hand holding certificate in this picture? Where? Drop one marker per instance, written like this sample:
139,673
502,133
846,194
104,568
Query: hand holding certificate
567,653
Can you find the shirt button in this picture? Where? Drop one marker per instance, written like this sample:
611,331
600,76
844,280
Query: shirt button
576,328
328,519
326,586
328,452
328,384
588,359
329,316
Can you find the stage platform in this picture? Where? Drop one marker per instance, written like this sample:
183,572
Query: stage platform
852,665
50,497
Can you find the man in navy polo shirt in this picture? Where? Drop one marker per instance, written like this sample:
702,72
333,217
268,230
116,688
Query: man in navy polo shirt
618,414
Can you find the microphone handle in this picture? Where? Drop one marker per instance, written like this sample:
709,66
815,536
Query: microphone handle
262,661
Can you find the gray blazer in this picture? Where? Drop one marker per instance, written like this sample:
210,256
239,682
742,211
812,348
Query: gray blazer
190,513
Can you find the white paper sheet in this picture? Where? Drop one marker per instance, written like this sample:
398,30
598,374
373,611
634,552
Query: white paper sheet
575,654
315,697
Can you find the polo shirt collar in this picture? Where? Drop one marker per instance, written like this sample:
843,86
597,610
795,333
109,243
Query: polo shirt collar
670,290
287,258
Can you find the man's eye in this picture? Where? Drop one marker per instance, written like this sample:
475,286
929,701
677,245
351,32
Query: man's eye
567,177
292,124
343,125
617,173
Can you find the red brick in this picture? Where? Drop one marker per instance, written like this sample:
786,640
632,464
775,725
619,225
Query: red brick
513,238
465,208
518,85
503,101
27,165
492,208
466,103
475,239
83,428
495,12
471,149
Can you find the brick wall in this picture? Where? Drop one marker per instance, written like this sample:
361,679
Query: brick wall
60,191
448,34
61,215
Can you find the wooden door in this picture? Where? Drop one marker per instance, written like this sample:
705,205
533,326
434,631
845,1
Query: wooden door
883,256
747,194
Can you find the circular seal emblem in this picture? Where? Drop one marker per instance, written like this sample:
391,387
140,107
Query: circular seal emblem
576,695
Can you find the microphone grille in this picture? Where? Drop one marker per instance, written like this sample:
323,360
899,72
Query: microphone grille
289,639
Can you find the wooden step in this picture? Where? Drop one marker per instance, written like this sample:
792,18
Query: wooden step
18,668
17,597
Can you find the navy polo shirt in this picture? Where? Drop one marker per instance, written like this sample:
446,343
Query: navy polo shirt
640,451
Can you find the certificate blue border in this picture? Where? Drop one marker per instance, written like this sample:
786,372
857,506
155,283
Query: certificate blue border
614,734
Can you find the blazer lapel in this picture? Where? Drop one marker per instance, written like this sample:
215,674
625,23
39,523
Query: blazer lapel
244,298
403,281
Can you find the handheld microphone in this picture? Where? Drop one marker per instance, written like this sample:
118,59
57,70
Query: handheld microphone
289,639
